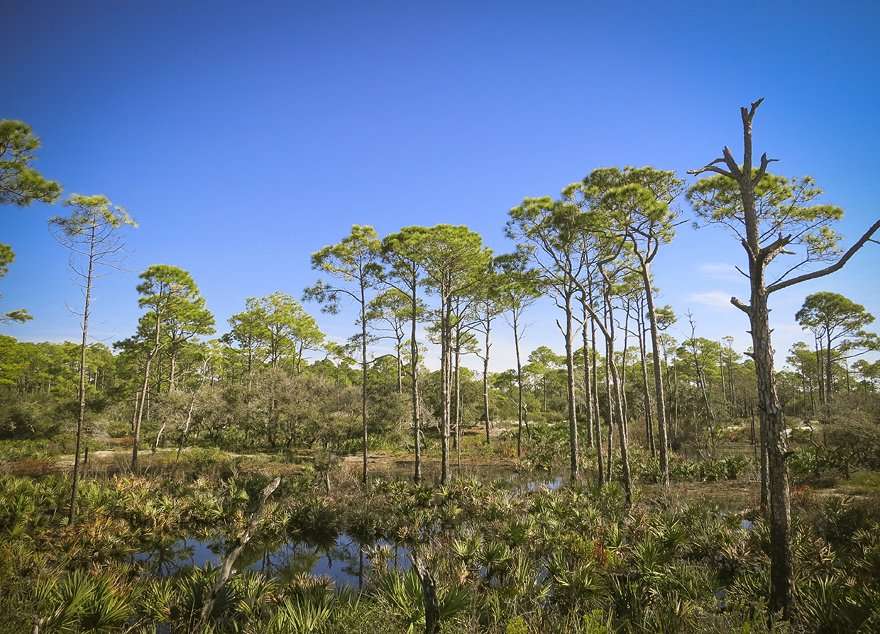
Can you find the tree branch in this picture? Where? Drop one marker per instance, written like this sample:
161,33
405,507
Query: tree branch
828,269
711,167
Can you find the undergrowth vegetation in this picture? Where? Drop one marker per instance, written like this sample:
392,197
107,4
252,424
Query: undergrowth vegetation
512,559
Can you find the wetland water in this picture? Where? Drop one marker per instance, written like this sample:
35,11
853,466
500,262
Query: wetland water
344,559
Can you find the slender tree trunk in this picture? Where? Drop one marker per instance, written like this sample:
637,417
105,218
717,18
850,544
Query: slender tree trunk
456,386
414,376
610,405
588,388
172,376
721,375
444,388
519,385
185,431
159,436
80,421
622,440
488,324
458,398
646,395
145,391
823,396
364,377
659,394
569,367
594,401
399,351
829,365
675,412
623,359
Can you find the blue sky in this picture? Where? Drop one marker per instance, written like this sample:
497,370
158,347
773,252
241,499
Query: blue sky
246,136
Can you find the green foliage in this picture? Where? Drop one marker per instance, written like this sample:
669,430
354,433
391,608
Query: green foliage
21,184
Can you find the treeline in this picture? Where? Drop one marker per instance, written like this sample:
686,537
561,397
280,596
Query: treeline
591,249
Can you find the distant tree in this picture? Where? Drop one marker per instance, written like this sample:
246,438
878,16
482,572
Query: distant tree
355,261
392,308
840,322
453,258
771,216
166,291
551,231
20,185
640,202
488,304
190,320
870,372
90,233
280,327
519,288
403,253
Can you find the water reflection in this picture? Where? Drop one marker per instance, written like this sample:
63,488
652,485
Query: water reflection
345,560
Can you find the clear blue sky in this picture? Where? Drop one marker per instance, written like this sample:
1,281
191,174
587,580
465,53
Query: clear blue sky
245,136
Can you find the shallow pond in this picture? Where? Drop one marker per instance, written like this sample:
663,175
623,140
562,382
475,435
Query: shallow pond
345,561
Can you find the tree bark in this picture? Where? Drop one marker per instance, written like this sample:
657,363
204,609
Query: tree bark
429,595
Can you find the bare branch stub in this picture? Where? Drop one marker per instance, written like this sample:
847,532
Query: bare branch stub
747,309
762,170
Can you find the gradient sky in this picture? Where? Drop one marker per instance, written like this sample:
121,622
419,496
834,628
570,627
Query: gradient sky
245,136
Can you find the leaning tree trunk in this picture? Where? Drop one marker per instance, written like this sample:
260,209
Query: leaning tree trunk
230,559
660,396
430,599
